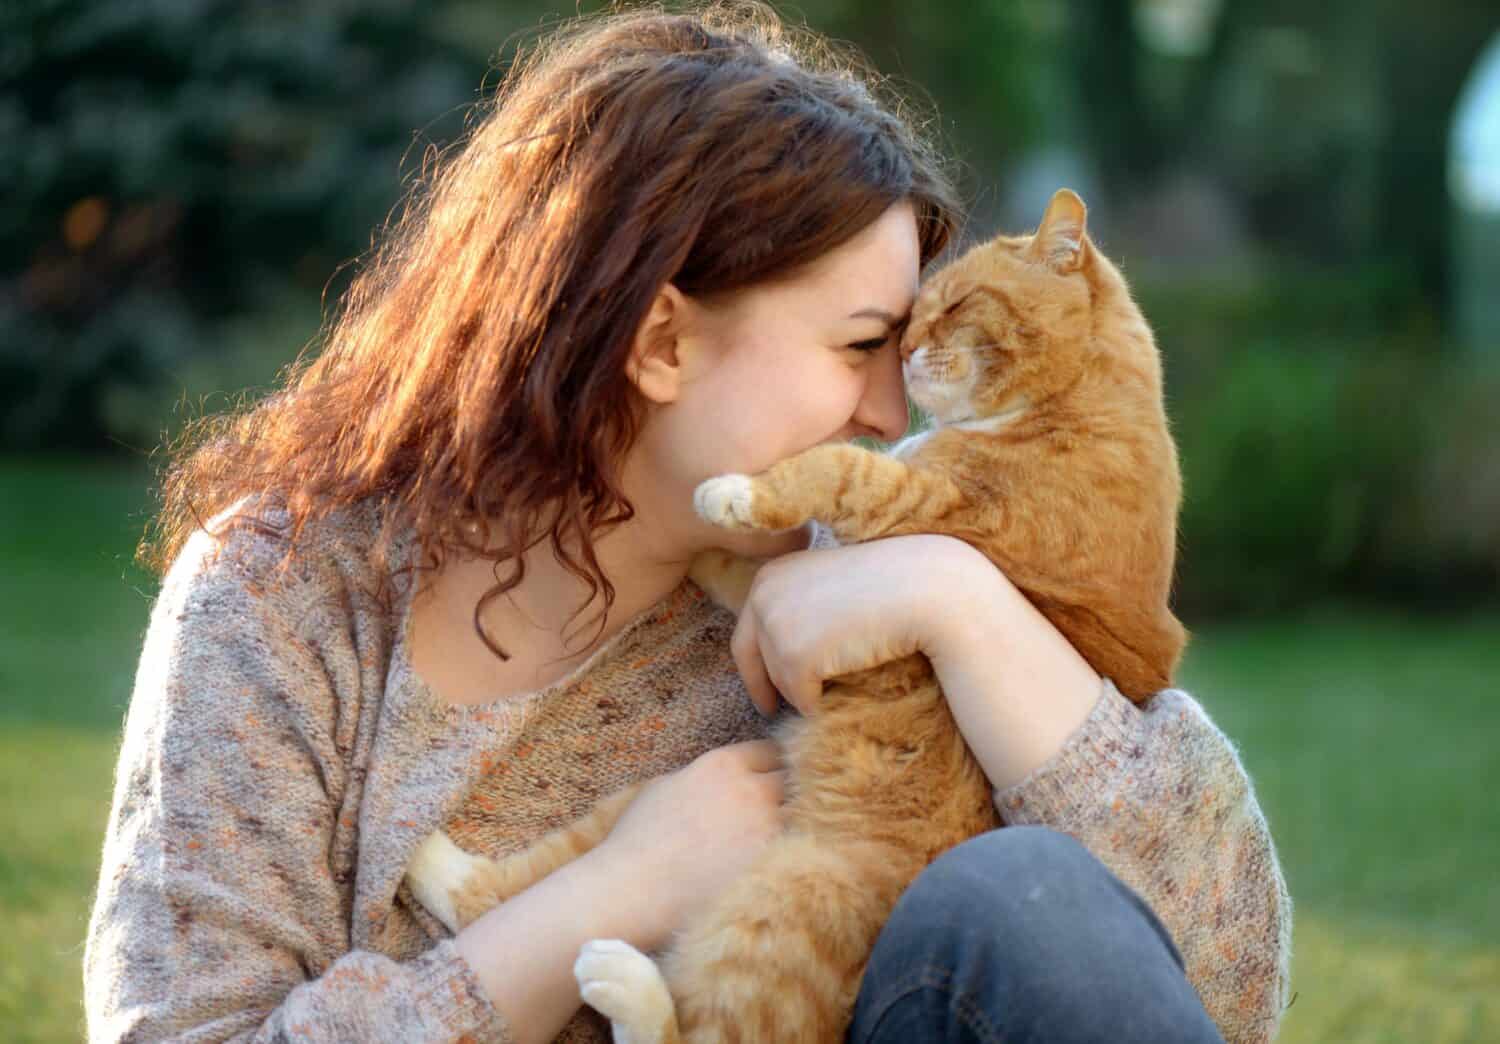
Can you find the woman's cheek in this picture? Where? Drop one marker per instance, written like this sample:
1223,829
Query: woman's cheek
746,438
756,417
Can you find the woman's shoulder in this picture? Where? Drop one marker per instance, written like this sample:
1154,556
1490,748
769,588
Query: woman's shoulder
255,622
256,540
251,558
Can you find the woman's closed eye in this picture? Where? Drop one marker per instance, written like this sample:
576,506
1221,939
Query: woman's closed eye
875,343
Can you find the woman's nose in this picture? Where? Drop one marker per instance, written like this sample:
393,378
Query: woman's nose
883,406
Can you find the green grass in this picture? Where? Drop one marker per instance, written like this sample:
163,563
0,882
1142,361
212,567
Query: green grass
76,605
1371,741
1370,736
70,631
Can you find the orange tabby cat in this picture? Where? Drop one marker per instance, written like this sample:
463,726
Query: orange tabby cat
1051,455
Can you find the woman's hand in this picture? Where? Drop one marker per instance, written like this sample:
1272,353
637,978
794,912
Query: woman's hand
1016,687
814,615
688,835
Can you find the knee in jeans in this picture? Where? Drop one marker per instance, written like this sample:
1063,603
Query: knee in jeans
1020,847
1027,925
989,885
1002,860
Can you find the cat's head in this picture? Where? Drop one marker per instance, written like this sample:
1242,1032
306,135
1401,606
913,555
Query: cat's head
1008,323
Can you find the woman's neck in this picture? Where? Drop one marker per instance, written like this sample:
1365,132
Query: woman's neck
538,624
552,608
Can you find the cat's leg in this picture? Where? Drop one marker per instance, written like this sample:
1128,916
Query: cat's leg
458,887
780,956
724,576
626,987
439,873
858,493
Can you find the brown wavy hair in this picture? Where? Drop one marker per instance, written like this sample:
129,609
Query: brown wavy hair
474,372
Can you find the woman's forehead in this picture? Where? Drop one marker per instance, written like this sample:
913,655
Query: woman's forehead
876,269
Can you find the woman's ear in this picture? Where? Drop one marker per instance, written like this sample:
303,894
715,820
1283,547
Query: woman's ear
655,364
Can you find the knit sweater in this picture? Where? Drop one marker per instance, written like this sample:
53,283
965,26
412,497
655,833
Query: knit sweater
281,761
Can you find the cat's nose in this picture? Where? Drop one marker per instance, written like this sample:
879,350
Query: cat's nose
907,348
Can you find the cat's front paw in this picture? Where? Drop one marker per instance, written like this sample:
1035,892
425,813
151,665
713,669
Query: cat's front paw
726,500
437,873
625,986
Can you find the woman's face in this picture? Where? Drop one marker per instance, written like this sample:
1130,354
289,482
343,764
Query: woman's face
774,369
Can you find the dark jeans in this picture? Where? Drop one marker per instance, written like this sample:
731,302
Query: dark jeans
1021,935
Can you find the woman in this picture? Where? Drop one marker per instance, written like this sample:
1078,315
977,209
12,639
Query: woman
457,544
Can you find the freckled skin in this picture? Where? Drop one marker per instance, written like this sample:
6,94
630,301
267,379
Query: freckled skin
1073,493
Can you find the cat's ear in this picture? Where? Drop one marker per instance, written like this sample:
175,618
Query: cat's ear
1059,241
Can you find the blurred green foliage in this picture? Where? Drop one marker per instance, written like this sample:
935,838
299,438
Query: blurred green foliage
189,187
175,165
1329,445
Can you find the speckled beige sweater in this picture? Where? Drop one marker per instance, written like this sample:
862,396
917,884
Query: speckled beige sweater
281,761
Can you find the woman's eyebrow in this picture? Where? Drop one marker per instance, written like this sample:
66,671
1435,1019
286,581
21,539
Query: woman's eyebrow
881,314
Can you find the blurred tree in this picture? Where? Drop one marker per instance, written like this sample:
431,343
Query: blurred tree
988,67
1328,121
1143,112
170,164
1426,53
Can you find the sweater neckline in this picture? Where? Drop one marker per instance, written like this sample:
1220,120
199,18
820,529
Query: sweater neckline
427,699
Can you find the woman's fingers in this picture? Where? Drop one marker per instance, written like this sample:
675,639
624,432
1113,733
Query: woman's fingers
801,692
745,647
771,673
760,755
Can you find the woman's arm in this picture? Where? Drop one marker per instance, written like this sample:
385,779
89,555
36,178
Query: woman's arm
523,950
223,906
1158,794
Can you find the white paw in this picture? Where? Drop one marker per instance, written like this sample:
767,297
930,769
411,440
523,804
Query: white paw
437,870
624,985
724,501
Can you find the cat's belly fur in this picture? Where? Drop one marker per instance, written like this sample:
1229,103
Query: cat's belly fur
884,760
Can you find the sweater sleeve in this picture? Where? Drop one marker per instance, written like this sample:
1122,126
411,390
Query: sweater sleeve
218,915
1158,794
